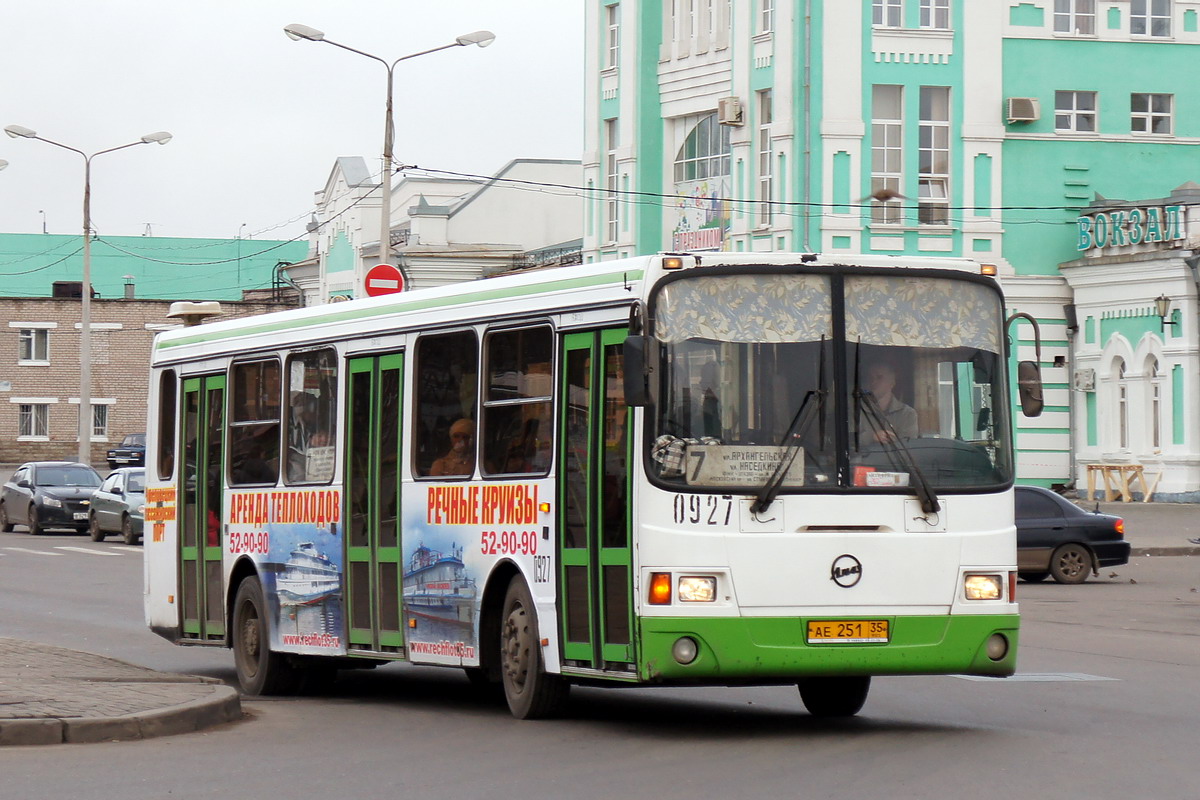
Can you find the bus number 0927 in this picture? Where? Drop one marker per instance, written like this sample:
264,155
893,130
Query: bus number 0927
706,509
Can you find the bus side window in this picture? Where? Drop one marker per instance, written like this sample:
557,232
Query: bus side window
517,429
167,413
447,387
312,416
254,423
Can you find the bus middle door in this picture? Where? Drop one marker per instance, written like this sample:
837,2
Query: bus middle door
595,555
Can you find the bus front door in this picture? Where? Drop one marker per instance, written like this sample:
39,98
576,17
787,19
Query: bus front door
202,608
373,503
595,600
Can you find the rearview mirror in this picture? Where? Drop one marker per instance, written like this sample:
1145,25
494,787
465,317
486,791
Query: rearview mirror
637,389
1029,388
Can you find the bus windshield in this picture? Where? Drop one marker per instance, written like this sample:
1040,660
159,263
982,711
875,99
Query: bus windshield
829,379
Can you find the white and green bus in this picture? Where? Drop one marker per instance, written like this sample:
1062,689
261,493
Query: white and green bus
679,469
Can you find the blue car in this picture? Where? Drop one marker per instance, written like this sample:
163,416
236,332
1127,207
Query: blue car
131,452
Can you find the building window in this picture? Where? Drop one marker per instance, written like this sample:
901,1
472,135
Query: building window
1150,113
33,420
1075,112
766,186
933,157
935,14
100,421
34,346
611,178
1150,17
886,13
1152,372
887,154
1075,17
766,16
705,151
1122,405
613,14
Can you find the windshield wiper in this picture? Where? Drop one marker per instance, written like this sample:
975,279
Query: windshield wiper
892,441
793,437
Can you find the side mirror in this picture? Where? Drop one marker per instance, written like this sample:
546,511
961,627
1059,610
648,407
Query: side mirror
1029,388
24,484
637,384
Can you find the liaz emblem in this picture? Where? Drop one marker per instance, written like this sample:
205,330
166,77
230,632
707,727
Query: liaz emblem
846,571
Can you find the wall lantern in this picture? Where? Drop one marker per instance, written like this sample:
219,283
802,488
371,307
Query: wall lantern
1162,307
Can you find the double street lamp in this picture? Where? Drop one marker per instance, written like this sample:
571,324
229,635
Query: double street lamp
479,38
85,314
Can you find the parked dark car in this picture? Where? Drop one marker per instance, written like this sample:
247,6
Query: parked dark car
48,494
1056,537
119,505
131,452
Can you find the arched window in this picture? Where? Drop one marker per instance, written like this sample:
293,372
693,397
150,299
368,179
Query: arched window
1154,378
705,151
1122,404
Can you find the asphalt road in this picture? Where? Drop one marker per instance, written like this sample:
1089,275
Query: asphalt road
1105,705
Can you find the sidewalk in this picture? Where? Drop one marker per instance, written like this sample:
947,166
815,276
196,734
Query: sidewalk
1156,529
51,695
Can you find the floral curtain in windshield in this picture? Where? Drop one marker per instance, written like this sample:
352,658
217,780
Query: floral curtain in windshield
745,308
922,312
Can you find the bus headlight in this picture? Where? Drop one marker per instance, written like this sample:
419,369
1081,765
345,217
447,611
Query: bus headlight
983,587
693,589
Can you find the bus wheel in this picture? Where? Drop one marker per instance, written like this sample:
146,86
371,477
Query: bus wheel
834,697
530,691
1071,563
259,670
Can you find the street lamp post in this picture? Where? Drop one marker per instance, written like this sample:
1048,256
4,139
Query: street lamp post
85,311
296,32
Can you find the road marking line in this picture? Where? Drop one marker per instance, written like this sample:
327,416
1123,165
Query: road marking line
1039,677
86,550
35,552
127,548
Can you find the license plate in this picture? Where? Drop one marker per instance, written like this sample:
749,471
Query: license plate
80,516
848,631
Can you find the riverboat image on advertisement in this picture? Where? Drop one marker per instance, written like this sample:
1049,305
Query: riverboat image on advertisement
437,587
308,577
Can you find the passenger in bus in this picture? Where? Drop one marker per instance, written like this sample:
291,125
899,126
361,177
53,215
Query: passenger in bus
879,380
460,457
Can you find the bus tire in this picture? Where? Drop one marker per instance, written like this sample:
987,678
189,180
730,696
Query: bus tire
259,670
834,697
531,692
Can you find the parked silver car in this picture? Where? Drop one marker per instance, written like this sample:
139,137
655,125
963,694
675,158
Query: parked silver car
119,505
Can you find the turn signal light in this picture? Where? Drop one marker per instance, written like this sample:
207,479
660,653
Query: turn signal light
660,588
987,269
672,262
1119,527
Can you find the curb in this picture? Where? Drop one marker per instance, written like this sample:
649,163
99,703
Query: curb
223,705
1186,550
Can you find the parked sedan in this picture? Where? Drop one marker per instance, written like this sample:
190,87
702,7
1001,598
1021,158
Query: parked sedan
119,505
1056,537
131,452
48,494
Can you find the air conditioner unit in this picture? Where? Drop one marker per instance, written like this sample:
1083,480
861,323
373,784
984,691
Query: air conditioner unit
1023,109
1085,380
729,111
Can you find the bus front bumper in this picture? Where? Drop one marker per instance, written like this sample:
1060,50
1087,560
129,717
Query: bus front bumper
775,649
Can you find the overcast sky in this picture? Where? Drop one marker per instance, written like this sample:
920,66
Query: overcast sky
258,119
